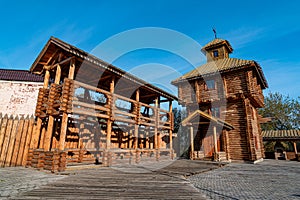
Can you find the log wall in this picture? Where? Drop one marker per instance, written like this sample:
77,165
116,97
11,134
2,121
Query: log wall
238,95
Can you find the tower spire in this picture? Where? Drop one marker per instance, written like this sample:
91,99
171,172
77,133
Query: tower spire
215,32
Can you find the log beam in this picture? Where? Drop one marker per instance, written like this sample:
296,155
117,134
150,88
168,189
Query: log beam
192,142
215,142
136,126
64,120
109,120
295,148
170,130
38,135
156,124
48,134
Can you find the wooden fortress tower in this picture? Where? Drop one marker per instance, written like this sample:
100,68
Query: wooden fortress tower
222,97
90,111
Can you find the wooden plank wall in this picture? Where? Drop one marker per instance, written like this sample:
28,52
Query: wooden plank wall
15,138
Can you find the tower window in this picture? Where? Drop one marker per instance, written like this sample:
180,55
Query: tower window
215,112
211,85
216,53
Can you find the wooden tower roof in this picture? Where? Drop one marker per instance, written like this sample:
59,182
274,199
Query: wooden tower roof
224,65
215,44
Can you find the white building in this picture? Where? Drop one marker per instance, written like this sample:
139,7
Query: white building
18,92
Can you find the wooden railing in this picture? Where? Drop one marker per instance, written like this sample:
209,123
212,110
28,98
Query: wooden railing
63,98
120,108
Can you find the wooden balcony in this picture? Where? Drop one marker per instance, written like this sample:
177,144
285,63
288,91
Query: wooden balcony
63,98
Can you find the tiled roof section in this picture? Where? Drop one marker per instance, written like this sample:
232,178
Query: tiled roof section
281,135
19,75
211,67
217,42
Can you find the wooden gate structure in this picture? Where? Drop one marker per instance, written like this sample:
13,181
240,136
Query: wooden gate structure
208,137
91,111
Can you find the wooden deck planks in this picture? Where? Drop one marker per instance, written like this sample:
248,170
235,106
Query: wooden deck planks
109,183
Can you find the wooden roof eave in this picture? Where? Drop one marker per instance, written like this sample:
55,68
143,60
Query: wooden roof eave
281,135
41,54
100,63
261,75
254,64
215,120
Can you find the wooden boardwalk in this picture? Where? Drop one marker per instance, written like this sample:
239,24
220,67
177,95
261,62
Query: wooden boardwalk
111,183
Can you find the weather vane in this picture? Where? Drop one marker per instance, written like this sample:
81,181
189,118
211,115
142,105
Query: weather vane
215,32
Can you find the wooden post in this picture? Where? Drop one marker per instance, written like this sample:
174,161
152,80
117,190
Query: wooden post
156,124
17,142
109,120
129,139
192,142
136,126
48,134
226,143
11,143
5,144
295,148
171,131
64,120
23,141
215,142
39,120
28,139
47,77
147,139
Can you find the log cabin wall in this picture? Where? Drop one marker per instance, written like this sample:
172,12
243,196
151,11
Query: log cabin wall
238,142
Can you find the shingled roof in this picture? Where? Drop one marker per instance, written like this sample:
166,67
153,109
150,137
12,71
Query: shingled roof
220,66
217,42
37,66
19,75
281,135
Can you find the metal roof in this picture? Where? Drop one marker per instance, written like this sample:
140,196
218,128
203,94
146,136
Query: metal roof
19,75
281,135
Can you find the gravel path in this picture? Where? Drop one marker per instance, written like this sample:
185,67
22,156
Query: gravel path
270,179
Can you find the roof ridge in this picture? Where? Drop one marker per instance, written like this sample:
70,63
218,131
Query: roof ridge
15,70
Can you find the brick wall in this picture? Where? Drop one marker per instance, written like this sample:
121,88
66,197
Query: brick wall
18,98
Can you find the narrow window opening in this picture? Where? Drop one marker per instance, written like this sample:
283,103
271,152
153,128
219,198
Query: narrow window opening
216,53
215,112
211,85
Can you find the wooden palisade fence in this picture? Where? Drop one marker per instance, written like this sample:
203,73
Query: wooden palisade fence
15,140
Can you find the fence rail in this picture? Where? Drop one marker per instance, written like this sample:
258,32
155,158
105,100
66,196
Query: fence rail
15,138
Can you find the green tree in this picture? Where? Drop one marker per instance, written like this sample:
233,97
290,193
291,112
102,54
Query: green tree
283,110
181,142
285,114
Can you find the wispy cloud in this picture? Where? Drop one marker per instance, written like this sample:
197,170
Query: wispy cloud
282,76
243,36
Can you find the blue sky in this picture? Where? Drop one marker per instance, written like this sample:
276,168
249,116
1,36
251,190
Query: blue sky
265,31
